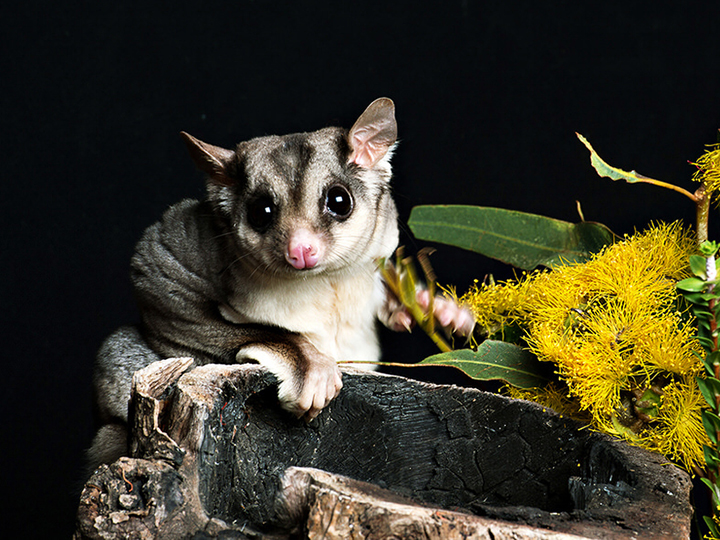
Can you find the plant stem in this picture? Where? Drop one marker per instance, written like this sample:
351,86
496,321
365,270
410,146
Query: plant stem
692,196
702,201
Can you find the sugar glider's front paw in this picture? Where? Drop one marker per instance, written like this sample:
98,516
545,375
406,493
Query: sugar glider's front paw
309,380
312,387
395,315
400,320
451,316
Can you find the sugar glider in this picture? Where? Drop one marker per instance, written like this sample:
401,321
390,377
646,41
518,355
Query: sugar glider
278,264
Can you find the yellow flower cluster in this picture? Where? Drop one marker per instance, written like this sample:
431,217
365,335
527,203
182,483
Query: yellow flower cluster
708,172
624,352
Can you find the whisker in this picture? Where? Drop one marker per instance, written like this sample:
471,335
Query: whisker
222,235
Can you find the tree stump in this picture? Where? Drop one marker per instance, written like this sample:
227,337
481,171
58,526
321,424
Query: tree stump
214,456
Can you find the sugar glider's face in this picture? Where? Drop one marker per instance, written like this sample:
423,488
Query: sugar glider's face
299,204
308,202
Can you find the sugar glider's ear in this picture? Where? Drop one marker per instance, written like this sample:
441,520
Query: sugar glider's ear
373,134
212,160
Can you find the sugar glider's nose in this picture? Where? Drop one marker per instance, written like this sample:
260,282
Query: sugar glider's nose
304,249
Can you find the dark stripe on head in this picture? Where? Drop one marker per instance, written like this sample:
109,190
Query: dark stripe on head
350,170
342,146
292,158
236,170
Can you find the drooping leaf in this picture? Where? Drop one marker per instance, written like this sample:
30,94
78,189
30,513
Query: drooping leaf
608,171
517,238
496,360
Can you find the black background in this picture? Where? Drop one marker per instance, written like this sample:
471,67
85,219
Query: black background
488,96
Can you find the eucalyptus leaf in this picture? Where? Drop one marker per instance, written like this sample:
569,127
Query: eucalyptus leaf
496,360
523,240
608,171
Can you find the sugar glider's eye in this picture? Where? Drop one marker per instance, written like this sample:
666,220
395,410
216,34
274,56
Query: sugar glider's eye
339,202
261,212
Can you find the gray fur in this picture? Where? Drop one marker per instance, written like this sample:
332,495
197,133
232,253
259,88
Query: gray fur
122,354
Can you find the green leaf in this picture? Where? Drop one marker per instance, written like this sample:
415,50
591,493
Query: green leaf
704,331
517,238
711,458
713,358
648,403
714,491
701,312
697,265
691,284
708,248
708,483
608,171
695,298
706,343
709,387
496,360
711,421
710,361
710,522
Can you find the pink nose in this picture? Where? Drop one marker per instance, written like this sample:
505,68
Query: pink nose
302,256
304,249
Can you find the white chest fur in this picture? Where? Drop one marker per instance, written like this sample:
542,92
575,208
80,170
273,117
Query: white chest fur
336,313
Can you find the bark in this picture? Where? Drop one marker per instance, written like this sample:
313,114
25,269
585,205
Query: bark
214,456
